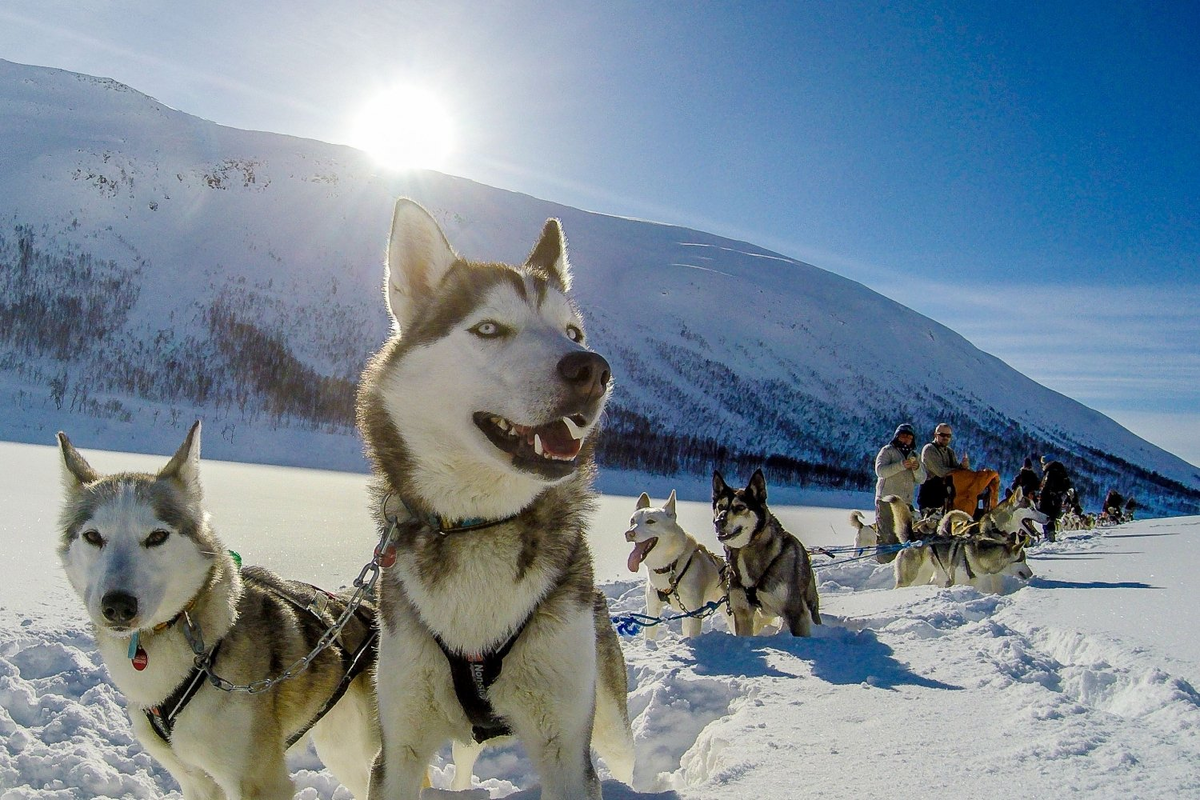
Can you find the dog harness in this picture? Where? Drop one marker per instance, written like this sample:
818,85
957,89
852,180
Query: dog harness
675,578
473,676
162,716
752,590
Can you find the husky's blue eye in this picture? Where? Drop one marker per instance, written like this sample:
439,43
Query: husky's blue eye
93,538
157,537
488,329
574,333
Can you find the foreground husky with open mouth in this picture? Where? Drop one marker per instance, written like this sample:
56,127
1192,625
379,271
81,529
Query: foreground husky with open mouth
159,586
477,417
680,572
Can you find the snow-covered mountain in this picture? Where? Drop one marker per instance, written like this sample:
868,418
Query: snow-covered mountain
157,267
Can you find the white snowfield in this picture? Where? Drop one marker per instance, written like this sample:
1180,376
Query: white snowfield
1077,684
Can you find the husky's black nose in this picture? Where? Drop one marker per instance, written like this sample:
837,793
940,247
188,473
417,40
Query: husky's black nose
118,607
586,374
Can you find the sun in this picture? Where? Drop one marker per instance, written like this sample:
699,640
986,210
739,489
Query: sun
405,127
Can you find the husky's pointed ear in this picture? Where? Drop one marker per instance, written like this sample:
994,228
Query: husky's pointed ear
184,466
719,486
550,255
643,502
1017,497
76,470
669,506
757,488
418,257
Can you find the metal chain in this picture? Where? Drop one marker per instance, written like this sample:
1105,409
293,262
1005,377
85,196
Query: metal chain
364,585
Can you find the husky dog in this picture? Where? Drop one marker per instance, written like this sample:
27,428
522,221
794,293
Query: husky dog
770,575
965,551
865,535
478,417
157,583
682,573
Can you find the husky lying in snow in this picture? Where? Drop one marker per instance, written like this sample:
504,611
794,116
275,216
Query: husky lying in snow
681,573
156,582
478,417
964,551
770,574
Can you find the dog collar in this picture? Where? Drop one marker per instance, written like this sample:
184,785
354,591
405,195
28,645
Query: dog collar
446,526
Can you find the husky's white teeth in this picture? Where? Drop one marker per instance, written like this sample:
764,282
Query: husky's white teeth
576,431
537,445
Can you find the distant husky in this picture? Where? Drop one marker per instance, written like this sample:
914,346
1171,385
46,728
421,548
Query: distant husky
681,573
770,574
866,535
478,417
157,583
965,551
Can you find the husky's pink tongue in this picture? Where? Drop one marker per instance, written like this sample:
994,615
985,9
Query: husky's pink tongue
558,442
639,552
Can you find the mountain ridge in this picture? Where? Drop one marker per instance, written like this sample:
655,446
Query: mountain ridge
236,276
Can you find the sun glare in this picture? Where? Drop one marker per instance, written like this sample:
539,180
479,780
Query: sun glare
405,128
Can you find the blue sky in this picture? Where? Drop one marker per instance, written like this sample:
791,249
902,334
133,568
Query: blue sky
1025,173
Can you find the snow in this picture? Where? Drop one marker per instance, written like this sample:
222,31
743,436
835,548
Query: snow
1079,683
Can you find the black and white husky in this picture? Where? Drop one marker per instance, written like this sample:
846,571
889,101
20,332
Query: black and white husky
478,418
770,573
160,587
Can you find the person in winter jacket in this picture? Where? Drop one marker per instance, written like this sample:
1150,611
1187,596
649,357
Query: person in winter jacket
939,460
897,466
900,472
1027,481
1055,483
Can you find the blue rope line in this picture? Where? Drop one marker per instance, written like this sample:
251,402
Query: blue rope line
629,624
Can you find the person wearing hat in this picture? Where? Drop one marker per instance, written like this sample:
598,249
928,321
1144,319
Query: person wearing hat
939,460
898,467
900,472
1027,481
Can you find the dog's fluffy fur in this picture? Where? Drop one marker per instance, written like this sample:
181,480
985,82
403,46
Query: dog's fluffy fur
139,551
482,406
770,573
681,573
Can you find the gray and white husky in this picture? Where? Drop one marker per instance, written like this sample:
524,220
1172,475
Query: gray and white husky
681,573
770,573
964,551
478,417
160,587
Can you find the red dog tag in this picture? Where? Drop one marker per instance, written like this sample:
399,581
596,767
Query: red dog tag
387,557
140,660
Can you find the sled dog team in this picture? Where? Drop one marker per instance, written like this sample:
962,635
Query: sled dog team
478,617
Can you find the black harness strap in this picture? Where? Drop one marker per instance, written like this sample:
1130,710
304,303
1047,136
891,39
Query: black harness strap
162,716
675,579
752,591
363,657
472,679
353,664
